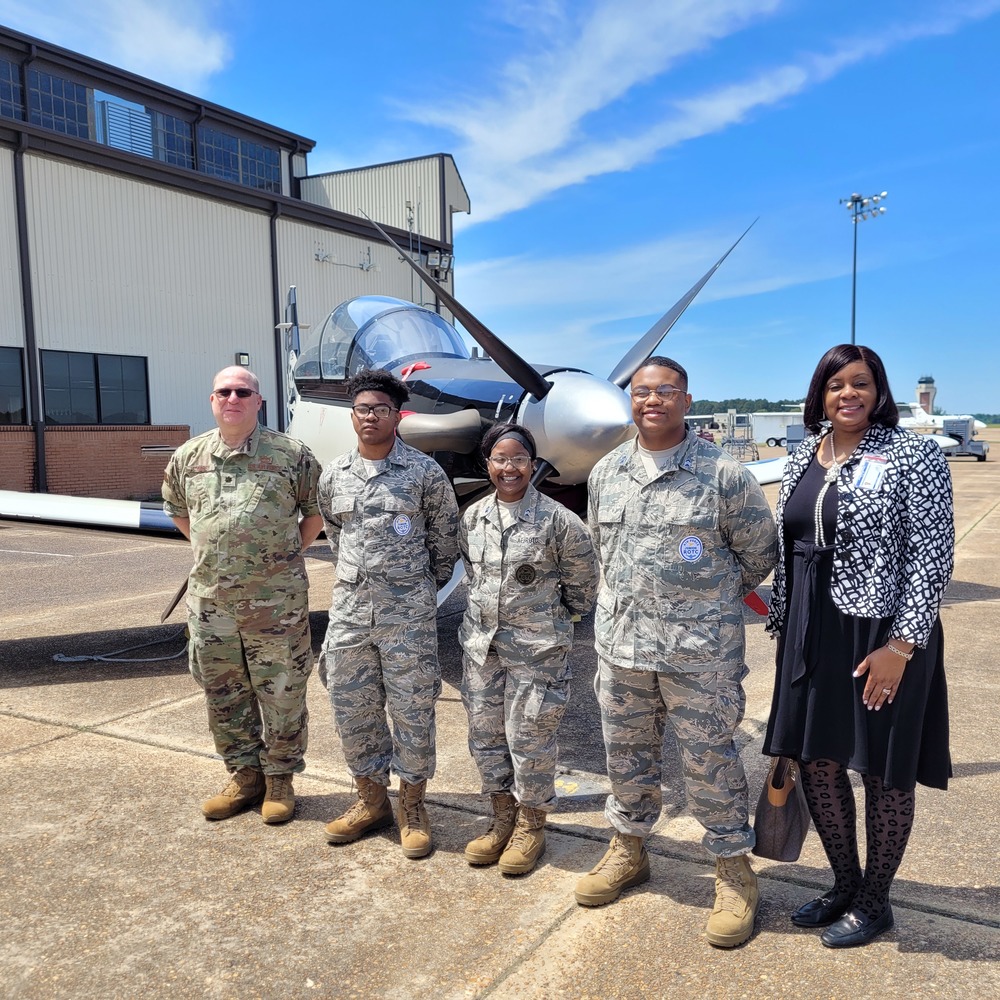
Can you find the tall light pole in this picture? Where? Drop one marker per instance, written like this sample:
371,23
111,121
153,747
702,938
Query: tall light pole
861,208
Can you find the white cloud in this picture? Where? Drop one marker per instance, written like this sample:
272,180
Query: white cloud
545,125
174,42
596,305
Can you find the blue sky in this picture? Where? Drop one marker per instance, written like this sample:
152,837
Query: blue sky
613,149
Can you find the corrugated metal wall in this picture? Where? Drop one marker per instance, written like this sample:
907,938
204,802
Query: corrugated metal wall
124,266
121,266
11,319
383,191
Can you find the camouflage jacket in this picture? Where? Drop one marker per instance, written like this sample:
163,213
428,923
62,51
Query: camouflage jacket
394,536
244,506
678,553
528,579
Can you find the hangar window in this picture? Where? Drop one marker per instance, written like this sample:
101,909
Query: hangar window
11,387
239,160
173,141
58,104
11,94
83,388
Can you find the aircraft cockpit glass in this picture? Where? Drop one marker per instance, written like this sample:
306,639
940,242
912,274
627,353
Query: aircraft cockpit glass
377,332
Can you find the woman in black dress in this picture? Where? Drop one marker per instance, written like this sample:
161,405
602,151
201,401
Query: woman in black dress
866,539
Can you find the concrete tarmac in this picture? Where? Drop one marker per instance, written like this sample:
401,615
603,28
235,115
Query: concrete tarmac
115,886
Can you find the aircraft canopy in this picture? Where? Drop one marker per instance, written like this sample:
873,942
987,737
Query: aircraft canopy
376,331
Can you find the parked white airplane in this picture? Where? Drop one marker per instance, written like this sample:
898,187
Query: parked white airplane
915,417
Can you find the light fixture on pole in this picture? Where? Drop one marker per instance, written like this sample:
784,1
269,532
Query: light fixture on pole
861,208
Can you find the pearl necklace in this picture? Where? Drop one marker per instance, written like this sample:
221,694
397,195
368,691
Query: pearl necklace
828,480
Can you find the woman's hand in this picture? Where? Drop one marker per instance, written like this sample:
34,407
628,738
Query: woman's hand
885,674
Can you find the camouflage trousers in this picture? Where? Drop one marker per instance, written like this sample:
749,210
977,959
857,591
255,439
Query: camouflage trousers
372,670
705,710
253,659
515,709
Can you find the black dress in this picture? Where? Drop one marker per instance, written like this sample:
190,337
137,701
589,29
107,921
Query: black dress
816,711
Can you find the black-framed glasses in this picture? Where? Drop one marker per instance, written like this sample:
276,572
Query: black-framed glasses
519,462
663,391
226,393
381,410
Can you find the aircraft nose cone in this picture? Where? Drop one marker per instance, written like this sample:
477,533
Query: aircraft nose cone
579,421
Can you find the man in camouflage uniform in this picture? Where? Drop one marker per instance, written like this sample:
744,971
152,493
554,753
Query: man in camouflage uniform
237,492
392,522
531,566
683,533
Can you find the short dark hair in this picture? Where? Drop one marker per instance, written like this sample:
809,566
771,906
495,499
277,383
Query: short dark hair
661,362
885,413
378,380
497,431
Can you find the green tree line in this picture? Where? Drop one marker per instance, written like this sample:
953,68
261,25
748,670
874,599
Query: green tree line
703,407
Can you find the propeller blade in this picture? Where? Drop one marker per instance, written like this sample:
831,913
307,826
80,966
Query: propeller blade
542,472
629,364
511,363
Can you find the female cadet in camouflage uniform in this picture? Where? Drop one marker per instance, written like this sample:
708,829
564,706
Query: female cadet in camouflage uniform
531,566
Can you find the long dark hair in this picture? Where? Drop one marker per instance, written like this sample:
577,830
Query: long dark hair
885,412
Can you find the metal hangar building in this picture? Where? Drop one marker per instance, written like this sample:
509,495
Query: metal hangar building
148,239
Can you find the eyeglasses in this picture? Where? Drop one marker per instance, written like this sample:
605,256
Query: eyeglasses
663,391
519,462
381,410
226,393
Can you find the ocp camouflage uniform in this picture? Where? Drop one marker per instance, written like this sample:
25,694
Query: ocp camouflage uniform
248,606
393,534
525,583
678,552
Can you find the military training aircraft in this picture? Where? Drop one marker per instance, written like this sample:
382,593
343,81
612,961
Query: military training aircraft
455,396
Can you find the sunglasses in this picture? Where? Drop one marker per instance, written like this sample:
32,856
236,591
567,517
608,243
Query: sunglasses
226,393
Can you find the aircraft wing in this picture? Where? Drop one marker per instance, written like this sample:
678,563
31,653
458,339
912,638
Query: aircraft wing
768,470
95,511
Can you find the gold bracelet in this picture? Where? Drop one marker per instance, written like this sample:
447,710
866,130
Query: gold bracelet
895,649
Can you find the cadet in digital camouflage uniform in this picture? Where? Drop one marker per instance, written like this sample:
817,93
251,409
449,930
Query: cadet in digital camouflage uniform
531,566
237,492
392,522
683,533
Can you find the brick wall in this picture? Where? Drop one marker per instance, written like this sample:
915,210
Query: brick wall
121,463
17,458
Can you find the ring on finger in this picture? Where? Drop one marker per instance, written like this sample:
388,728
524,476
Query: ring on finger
886,690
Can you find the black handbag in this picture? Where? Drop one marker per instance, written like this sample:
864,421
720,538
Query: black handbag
782,817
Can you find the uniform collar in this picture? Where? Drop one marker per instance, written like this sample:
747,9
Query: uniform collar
397,456
685,458
526,511
249,447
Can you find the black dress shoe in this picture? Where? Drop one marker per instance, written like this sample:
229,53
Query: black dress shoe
855,928
822,911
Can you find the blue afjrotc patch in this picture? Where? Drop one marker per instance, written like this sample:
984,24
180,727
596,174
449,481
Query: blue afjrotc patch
691,548
401,524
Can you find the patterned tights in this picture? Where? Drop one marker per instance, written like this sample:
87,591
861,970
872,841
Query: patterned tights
888,822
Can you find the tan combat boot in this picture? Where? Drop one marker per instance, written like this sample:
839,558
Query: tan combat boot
736,902
371,812
625,864
245,788
411,817
527,844
486,850
279,799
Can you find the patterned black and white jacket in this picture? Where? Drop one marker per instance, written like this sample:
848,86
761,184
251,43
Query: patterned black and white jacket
895,537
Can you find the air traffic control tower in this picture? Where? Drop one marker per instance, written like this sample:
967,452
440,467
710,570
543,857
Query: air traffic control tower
926,391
